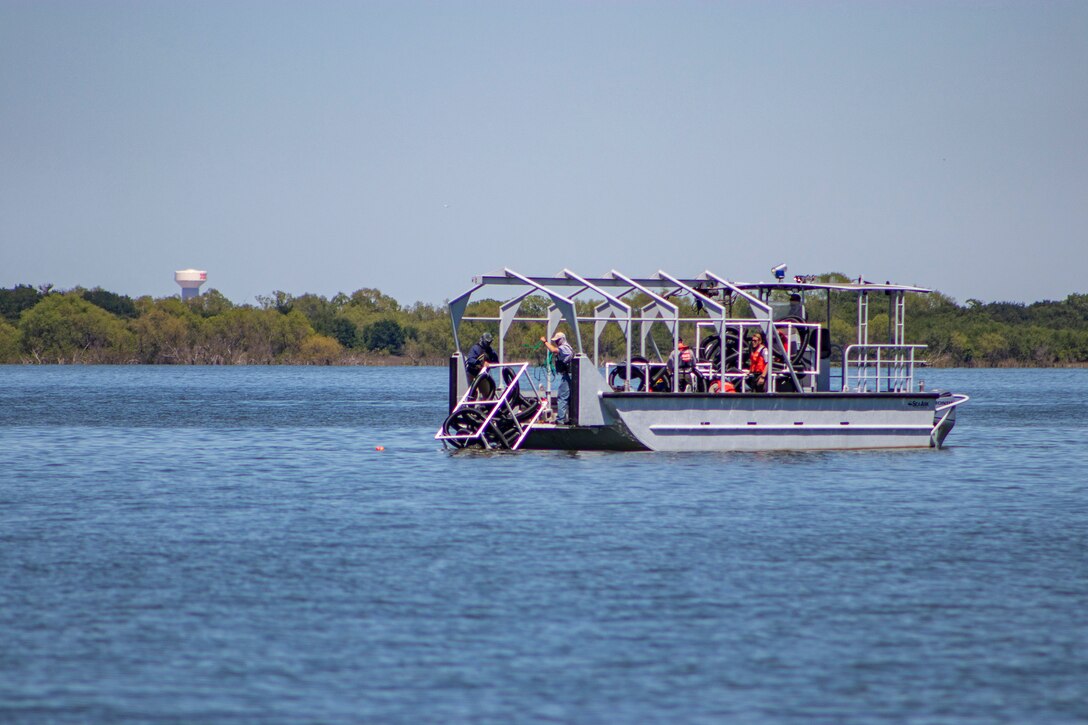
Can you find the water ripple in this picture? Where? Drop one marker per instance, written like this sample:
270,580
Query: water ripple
226,544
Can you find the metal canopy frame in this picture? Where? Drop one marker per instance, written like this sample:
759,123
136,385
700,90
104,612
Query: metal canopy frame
708,304
658,310
562,288
503,278
562,303
612,306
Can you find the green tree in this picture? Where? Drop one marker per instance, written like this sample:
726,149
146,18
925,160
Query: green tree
68,328
289,333
238,336
210,304
319,350
344,331
319,311
9,343
245,335
960,347
373,301
115,304
167,333
992,347
14,301
384,335
279,300
434,340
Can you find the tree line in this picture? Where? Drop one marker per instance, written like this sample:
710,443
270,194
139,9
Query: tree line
43,325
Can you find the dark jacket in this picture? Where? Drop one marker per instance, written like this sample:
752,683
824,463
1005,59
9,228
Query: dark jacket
477,356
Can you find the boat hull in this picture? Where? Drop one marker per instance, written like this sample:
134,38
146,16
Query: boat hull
769,422
581,438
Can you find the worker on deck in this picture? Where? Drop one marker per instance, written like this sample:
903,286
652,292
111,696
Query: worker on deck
797,308
682,362
683,355
480,356
563,354
758,362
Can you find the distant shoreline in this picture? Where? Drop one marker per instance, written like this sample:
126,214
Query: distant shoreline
369,328
394,362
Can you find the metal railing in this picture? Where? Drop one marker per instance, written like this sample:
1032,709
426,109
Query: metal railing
788,335
879,368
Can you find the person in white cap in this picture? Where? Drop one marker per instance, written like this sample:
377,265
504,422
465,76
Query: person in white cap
563,353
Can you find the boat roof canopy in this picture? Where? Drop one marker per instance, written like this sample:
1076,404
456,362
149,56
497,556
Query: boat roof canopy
662,280
563,288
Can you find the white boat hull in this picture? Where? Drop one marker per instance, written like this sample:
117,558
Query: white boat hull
762,422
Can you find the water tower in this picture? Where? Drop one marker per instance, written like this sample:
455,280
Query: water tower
190,281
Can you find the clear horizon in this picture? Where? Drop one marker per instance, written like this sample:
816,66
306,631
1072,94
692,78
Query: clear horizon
326,147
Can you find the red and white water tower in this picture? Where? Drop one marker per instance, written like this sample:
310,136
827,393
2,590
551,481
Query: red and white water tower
190,280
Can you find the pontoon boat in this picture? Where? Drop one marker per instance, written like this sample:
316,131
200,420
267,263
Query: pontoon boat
869,397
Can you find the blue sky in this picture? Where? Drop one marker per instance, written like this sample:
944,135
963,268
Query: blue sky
328,146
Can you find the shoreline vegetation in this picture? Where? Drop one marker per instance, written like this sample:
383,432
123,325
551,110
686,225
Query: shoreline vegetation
40,325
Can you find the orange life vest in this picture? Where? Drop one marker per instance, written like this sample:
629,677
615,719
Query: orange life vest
784,338
722,386
756,363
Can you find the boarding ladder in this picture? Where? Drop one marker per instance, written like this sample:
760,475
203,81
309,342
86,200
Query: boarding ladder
497,423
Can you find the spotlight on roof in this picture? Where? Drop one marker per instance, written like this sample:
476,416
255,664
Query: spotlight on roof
779,271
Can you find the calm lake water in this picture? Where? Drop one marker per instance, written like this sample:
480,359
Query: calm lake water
226,545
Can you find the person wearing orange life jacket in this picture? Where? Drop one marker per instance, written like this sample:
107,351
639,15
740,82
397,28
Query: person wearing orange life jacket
682,362
758,361
684,355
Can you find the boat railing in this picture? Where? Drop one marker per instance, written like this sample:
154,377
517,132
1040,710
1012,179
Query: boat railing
652,374
805,359
805,363
734,376
789,334
879,368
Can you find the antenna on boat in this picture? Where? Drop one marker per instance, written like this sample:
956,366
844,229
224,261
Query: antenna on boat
779,272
